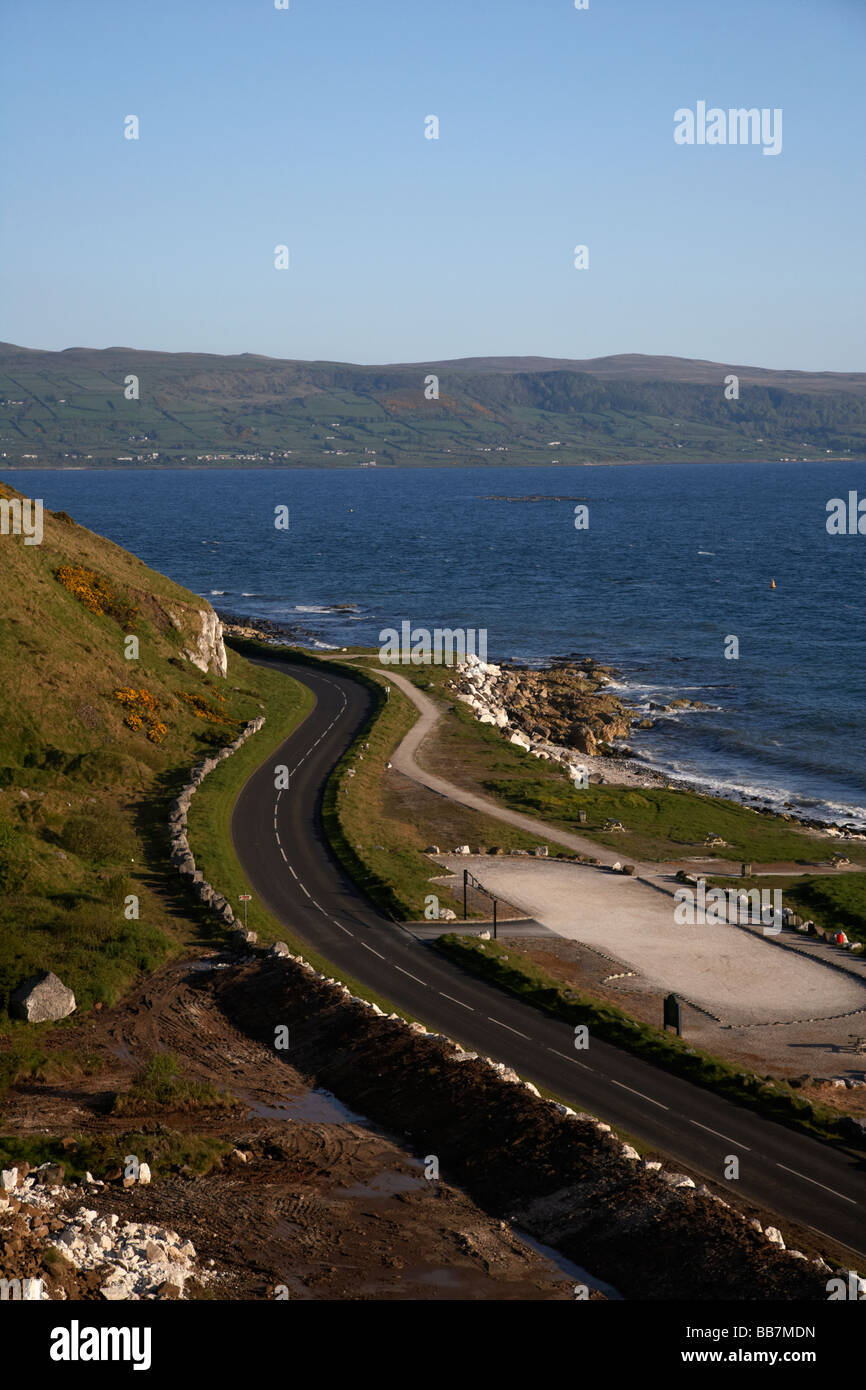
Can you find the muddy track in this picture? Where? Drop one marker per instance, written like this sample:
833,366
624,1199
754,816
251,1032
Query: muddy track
325,1205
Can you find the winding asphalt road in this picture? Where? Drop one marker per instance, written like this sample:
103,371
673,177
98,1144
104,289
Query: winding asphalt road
282,847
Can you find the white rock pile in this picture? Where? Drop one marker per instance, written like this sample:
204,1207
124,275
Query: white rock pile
143,1261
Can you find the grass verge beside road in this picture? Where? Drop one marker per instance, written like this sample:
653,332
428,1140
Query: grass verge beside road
287,703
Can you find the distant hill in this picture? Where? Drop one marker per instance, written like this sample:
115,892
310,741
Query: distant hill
71,408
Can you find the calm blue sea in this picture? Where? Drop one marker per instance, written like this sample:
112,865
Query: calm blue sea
676,559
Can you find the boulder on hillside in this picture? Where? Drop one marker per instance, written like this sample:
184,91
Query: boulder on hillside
42,999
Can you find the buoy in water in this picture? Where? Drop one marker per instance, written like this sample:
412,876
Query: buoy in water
772,583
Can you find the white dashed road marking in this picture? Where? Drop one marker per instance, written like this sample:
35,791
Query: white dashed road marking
818,1184
565,1057
623,1087
457,1001
409,973
505,1025
720,1136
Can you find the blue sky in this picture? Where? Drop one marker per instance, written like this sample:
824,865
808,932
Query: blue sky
305,127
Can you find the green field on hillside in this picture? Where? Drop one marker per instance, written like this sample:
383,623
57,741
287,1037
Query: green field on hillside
72,408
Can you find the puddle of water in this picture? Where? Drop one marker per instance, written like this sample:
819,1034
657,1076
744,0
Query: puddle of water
318,1106
442,1281
442,1278
574,1272
450,1283
385,1184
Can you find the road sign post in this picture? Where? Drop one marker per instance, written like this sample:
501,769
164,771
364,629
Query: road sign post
673,1016
245,898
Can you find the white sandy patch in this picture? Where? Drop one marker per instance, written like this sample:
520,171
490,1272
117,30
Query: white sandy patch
739,977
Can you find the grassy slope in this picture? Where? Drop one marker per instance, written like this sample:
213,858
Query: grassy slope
833,903
83,796
659,824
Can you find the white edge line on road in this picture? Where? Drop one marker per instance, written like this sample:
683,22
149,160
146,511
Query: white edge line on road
818,1184
824,1235
726,1137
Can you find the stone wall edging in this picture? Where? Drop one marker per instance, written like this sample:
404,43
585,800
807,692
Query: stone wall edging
181,856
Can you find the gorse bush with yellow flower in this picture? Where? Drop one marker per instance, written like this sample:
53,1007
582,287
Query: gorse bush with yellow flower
204,710
93,591
142,709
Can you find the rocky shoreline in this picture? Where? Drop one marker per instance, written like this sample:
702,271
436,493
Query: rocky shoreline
263,630
566,713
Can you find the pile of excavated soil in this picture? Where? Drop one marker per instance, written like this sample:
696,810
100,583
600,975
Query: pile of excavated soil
514,1153
310,1200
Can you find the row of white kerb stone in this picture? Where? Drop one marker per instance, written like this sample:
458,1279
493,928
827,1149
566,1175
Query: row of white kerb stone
181,854
508,1076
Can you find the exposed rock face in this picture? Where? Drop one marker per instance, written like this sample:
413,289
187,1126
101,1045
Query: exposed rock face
208,652
42,999
204,633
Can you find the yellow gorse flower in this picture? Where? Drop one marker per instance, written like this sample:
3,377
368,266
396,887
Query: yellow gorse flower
142,706
93,591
